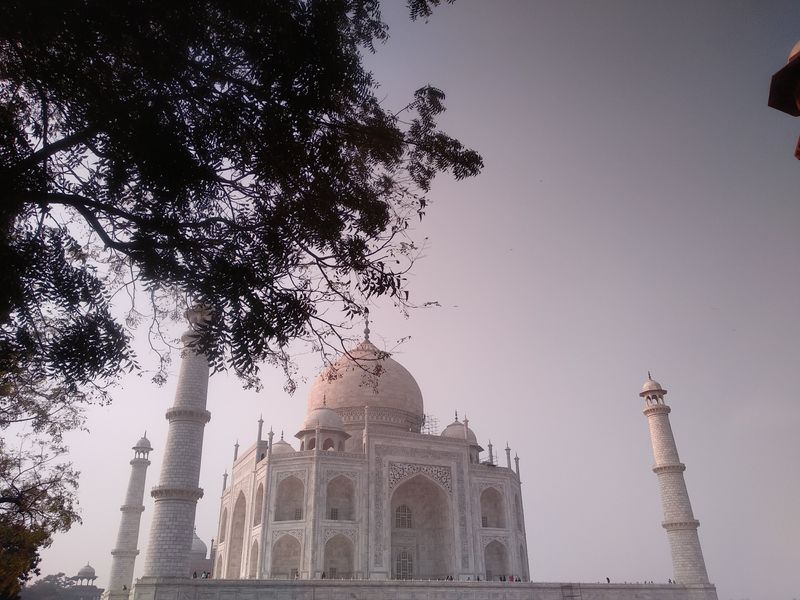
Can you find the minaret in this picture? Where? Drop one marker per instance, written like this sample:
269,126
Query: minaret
687,558
178,491
125,551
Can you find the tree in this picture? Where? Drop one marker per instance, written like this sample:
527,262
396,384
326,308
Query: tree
36,501
233,154
49,587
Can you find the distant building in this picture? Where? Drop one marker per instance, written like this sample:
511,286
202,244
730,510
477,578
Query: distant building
84,588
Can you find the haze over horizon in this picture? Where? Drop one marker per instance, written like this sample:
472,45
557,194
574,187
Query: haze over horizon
638,211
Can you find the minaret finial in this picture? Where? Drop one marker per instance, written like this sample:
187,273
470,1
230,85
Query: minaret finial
366,324
456,415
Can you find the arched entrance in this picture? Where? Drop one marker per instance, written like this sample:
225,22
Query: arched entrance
422,531
339,558
236,543
495,559
285,558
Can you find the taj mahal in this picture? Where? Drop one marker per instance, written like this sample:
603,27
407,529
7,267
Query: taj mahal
364,502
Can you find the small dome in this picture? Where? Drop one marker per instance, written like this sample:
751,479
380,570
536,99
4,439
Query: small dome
367,376
86,572
282,447
198,546
143,444
325,417
456,430
651,385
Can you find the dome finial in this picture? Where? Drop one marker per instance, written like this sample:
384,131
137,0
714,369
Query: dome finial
366,324
281,434
650,377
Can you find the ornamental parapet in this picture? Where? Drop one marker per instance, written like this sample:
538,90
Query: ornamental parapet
140,461
132,508
657,409
123,553
186,413
674,468
160,492
679,525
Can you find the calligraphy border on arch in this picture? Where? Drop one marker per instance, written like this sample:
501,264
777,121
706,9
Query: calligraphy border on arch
399,472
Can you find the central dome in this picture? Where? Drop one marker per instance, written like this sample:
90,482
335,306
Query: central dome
369,377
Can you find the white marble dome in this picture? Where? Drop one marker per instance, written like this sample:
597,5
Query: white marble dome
86,572
282,447
456,430
651,385
198,546
143,444
366,377
325,417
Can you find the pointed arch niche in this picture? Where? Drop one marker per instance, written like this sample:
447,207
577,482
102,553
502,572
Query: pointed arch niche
424,537
259,505
236,543
339,557
495,560
493,513
290,499
252,571
340,499
285,557
223,525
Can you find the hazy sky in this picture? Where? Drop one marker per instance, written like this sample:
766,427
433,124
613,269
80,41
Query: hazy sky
639,211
